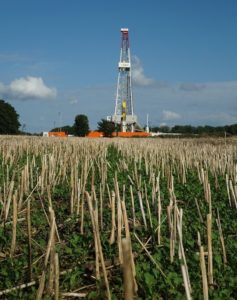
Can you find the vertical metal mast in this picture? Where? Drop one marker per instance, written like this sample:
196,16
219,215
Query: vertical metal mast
123,113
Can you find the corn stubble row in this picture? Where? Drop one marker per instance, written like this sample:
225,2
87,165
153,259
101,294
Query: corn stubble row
32,167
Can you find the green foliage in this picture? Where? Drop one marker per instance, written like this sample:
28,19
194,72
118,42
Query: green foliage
81,125
9,123
77,250
68,129
107,127
199,130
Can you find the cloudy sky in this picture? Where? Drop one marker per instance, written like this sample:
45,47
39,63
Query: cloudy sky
58,58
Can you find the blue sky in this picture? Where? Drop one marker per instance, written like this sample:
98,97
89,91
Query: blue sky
59,59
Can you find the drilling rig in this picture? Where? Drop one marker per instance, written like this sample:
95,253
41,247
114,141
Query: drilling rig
123,113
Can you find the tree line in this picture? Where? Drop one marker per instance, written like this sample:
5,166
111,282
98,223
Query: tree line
81,127
9,124
198,130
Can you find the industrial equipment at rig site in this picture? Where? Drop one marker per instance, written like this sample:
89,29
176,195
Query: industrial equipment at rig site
123,113
123,117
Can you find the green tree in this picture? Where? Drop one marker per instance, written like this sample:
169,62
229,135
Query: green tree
81,125
107,127
67,128
9,123
164,129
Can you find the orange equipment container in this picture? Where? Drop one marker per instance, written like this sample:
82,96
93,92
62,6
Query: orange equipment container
57,133
95,134
99,134
131,134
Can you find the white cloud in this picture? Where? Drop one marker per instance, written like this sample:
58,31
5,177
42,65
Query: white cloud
163,124
170,115
138,75
221,118
189,86
214,105
2,88
215,89
26,88
73,100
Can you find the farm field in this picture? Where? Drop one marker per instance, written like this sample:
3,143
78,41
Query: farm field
118,218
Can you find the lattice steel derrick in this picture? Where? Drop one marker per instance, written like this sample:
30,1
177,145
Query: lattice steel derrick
123,113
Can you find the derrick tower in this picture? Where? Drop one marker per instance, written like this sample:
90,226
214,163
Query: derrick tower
123,113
